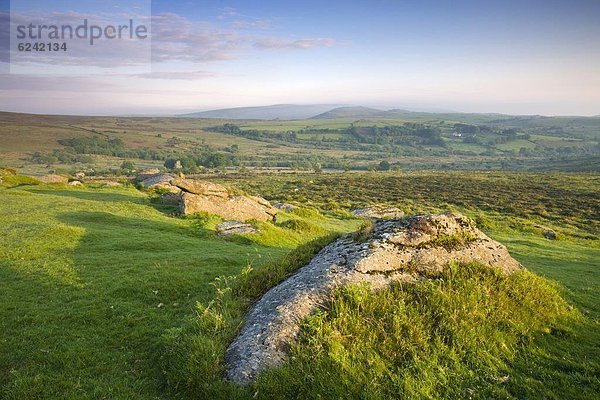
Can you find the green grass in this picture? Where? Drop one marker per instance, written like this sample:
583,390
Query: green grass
452,337
105,295
92,278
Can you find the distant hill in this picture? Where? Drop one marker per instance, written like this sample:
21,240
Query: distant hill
351,112
278,111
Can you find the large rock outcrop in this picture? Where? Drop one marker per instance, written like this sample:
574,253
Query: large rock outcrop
227,228
406,249
201,196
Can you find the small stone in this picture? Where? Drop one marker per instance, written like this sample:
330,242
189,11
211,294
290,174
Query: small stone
285,207
235,228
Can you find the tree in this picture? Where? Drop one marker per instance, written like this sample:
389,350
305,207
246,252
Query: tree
172,163
384,166
128,165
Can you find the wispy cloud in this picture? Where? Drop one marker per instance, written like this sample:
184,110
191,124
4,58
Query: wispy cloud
176,38
25,83
173,38
238,20
175,75
299,44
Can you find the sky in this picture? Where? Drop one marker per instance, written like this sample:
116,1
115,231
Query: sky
512,57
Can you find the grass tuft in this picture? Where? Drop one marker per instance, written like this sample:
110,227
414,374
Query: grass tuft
365,231
452,337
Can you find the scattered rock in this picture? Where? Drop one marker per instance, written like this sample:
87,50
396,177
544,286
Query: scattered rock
548,232
150,171
53,179
235,228
405,249
75,183
378,211
149,181
284,207
201,196
80,175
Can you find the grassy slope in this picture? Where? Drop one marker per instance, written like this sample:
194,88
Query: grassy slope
84,271
559,365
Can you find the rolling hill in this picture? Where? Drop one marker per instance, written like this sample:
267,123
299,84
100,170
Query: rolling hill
278,111
351,112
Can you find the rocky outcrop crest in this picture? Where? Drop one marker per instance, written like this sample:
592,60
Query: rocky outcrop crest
193,195
405,249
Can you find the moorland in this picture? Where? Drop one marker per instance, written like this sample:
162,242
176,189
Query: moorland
107,293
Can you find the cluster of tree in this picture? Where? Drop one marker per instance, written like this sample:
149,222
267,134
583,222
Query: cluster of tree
408,134
108,147
208,159
254,134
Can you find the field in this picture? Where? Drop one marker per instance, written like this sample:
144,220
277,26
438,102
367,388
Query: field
411,141
104,290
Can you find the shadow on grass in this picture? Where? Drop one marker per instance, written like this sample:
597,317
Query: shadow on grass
149,231
110,196
96,195
139,277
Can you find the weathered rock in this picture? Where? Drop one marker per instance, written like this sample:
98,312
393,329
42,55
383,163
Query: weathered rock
202,196
378,211
549,233
239,208
285,207
75,183
80,175
53,179
201,187
153,180
235,228
406,249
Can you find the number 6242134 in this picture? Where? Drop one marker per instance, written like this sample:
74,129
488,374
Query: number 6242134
41,46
